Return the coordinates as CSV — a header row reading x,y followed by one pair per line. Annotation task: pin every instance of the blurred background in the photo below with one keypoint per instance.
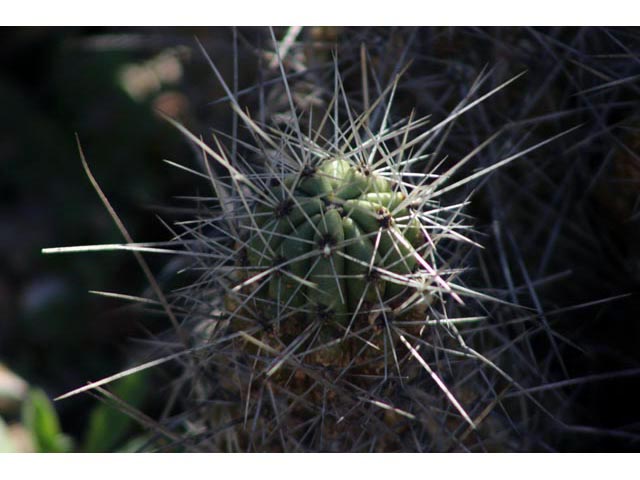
x,y
107,84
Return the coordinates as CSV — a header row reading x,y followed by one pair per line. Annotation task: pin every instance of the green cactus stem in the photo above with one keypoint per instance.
x,y
336,239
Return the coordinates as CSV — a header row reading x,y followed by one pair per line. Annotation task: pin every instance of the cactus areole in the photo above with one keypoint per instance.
x,y
335,240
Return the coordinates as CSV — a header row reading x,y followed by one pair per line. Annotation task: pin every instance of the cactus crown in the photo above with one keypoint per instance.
x,y
339,238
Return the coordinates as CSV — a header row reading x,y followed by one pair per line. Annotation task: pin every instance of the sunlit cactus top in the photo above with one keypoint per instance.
x,y
332,228
337,239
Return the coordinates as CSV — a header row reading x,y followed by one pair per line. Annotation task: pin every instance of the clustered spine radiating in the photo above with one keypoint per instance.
x,y
333,259
332,311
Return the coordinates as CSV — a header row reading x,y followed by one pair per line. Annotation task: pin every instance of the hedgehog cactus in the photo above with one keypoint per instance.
x,y
331,249
331,258
326,270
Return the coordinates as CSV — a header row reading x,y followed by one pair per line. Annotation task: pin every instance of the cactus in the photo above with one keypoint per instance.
x,y
331,283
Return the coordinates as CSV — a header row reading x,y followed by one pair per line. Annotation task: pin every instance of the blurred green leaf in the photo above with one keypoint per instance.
x,y
41,419
107,425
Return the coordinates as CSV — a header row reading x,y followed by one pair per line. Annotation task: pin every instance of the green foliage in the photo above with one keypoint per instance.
x,y
41,419
108,426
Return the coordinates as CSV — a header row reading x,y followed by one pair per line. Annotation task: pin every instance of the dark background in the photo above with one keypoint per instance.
x,y
55,83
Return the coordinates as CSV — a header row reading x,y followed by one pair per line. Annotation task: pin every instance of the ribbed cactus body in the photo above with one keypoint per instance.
x,y
337,239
